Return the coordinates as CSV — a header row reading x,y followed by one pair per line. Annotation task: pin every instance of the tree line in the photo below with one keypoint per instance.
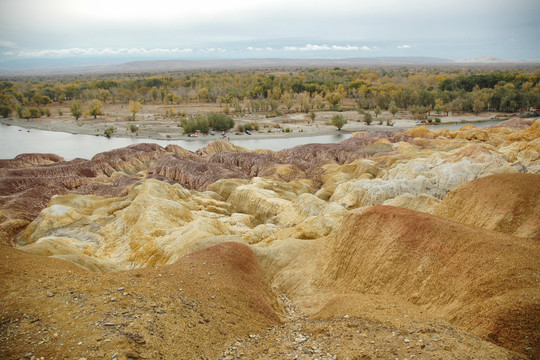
x,y
417,90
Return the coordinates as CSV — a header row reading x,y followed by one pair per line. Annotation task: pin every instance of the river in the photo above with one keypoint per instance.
x,y
15,140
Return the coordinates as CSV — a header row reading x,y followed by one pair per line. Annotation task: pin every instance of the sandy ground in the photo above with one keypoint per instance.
x,y
153,124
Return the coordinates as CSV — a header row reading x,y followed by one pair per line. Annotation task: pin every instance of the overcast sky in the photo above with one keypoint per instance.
x,y
269,28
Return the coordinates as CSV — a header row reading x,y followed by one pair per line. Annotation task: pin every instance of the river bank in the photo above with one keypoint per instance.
x,y
283,127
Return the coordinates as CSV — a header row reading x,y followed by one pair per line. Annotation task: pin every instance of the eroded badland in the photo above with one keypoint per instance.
x,y
399,244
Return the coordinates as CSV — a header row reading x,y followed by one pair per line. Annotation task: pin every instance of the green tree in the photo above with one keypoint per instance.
x,y
96,108
377,111
76,109
154,94
312,115
220,121
338,121
368,118
393,108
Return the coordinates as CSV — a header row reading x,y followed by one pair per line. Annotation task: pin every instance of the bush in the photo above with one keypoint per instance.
x,y
389,122
437,120
109,131
35,113
368,118
45,112
189,125
5,111
338,121
220,121
133,128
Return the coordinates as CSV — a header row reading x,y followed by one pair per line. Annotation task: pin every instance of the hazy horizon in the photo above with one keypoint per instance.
x,y
133,30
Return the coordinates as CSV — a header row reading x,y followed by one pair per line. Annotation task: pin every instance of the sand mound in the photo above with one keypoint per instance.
x,y
51,307
507,203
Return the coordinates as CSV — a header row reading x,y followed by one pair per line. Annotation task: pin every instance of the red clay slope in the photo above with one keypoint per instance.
x,y
480,280
191,309
507,203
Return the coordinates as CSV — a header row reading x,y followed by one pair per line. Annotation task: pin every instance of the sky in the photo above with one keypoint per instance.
x,y
214,29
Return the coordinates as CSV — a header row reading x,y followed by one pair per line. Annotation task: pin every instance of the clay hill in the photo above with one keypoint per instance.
x,y
399,244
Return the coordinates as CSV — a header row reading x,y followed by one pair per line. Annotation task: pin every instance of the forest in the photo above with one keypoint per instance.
x,y
420,91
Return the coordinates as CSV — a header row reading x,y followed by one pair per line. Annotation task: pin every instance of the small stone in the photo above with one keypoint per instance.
x,y
407,341
79,343
120,288
28,355
528,349
114,356
130,354
50,294
108,324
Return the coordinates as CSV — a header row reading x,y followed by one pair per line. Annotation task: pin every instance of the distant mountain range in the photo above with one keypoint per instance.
x,y
71,66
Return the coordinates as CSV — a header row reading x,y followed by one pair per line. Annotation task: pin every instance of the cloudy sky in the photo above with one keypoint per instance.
x,y
197,29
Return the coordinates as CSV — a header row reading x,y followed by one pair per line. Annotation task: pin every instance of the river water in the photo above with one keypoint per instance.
x,y
15,140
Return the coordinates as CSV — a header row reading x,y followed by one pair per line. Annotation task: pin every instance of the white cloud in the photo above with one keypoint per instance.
x,y
96,52
268,48
308,47
214,50
325,47
404,46
6,43
345,48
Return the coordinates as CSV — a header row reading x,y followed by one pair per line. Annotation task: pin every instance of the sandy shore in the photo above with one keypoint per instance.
x,y
155,127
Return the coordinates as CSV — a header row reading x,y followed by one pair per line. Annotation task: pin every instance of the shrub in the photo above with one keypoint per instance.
x,y
35,113
220,121
109,131
368,118
189,125
5,111
338,121
389,122
437,120
133,128
45,111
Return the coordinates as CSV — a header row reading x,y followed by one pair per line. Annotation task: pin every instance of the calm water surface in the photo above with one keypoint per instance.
x,y
15,140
